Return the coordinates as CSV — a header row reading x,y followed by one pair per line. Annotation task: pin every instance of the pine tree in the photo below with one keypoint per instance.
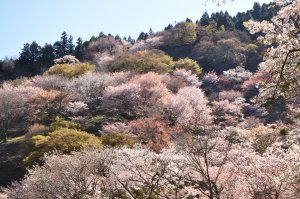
x,y
117,37
188,20
61,47
79,50
29,59
228,21
101,34
204,21
256,11
70,46
169,27
151,31
143,36
47,56
64,44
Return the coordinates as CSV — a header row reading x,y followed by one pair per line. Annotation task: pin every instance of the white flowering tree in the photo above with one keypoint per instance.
x,y
13,106
281,60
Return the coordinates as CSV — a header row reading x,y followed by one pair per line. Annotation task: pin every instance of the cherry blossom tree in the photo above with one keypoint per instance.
x,y
281,59
187,109
80,175
13,106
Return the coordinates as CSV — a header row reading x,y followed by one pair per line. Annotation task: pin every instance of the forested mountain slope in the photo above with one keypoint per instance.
x,y
206,109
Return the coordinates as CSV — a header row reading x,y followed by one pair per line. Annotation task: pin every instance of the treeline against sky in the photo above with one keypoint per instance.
x,y
35,59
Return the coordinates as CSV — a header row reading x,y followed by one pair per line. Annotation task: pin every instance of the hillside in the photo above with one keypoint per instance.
x,y
205,109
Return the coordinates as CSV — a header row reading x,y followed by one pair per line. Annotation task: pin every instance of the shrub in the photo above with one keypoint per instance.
x,y
144,61
115,139
71,70
61,123
283,132
63,140
188,64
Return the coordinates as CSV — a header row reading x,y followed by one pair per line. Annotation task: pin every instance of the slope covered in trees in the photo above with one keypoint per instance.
x,y
179,41
187,112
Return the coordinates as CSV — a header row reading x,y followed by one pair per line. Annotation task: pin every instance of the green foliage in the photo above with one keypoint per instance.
x,y
71,70
182,34
61,123
144,61
189,64
226,50
283,132
115,139
251,47
63,140
207,30
28,61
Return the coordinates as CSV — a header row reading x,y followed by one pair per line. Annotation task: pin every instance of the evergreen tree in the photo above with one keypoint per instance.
x,y
70,46
204,21
29,59
188,20
169,27
101,34
64,44
93,38
143,36
47,56
151,31
130,40
117,37
56,48
214,17
228,21
256,11
240,17
61,47
79,50
220,19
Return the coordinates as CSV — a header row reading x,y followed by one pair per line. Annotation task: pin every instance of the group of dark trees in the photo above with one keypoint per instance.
x,y
35,59
258,13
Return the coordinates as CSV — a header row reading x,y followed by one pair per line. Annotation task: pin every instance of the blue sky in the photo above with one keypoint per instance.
x,y
43,21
